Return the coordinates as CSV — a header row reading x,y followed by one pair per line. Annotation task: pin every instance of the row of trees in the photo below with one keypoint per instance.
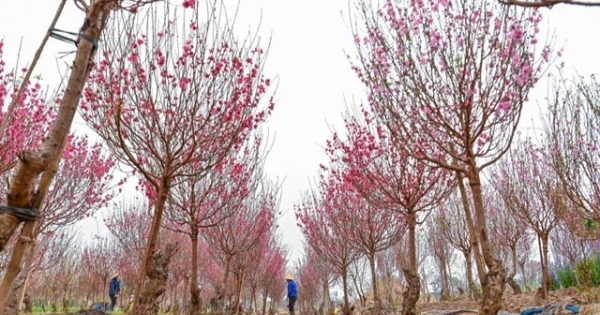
x,y
436,141
178,101
181,108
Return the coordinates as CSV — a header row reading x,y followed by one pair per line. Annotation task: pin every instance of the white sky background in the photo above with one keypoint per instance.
x,y
307,54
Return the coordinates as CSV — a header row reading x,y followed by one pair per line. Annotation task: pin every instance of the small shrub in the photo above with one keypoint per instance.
x,y
562,277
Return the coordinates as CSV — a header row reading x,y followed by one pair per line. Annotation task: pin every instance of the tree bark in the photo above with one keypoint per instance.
x,y
545,266
412,292
469,273
162,193
374,285
158,273
468,217
346,309
194,292
494,280
445,293
47,157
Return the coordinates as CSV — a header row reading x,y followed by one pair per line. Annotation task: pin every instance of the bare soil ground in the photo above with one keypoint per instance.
x,y
586,299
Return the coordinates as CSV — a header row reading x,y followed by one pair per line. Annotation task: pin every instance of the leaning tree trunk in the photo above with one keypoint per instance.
x,y
46,158
12,304
158,274
494,280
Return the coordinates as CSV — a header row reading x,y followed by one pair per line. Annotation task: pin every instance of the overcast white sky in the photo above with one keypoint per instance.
x,y
309,38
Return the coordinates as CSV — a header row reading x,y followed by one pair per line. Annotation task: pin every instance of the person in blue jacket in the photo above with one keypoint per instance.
x,y
114,287
292,292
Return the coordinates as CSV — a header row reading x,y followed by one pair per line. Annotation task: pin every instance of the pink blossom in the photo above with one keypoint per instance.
x,y
133,57
188,4
184,82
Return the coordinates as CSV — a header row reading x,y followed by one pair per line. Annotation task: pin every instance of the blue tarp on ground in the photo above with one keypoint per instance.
x,y
539,310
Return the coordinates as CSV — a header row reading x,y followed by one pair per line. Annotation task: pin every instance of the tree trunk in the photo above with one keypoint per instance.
x,y
12,304
194,292
510,278
375,284
27,271
162,193
326,296
346,309
545,265
31,164
147,303
468,218
413,289
469,273
264,304
411,294
494,280
445,293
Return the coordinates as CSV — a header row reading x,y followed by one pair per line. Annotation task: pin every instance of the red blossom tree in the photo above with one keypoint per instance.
x,y
128,223
29,121
515,238
373,228
234,238
572,126
266,267
25,190
441,251
526,183
449,80
173,104
453,226
400,189
325,234
83,184
197,204
100,260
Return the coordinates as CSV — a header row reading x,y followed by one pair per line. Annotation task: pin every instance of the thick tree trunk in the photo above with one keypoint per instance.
x,y
147,303
162,192
413,289
411,294
494,280
31,164
12,304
